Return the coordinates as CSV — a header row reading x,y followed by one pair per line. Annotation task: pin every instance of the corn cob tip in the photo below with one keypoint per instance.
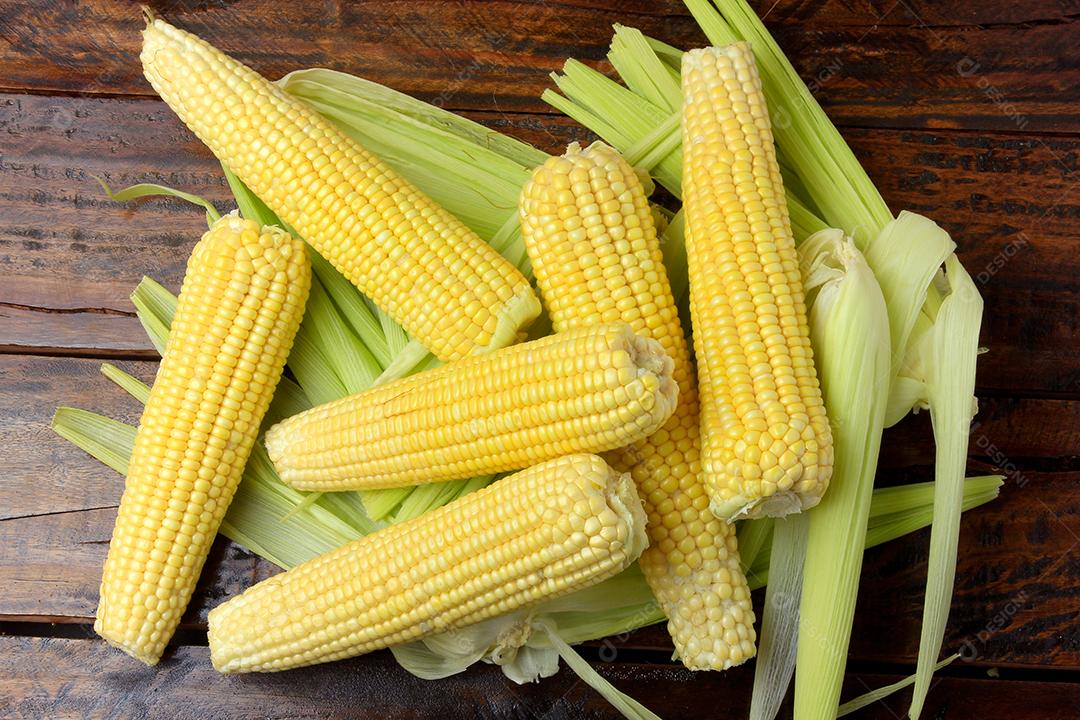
x,y
134,650
739,52
602,154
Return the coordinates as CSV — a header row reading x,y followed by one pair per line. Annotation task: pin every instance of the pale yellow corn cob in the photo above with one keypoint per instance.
x,y
766,443
541,533
240,305
587,225
589,391
448,288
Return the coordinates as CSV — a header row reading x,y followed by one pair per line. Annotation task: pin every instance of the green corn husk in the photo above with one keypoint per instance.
x,y
134,192
776,649
942,356
881,693
849,331
884,526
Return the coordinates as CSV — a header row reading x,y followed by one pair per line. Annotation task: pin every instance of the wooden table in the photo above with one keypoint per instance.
x,y
965,111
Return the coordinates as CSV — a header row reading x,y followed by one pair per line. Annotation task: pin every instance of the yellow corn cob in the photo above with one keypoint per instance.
x,y
766,443
448,288
240,305
589,231
589,391
541,533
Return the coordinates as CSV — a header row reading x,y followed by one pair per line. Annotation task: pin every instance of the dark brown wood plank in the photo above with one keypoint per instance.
x,y
43,473
1010,203
71,333
64,244
51,568
80,678
1008,78
1006,433
467,55
1017,582
998,66
827,14
955,698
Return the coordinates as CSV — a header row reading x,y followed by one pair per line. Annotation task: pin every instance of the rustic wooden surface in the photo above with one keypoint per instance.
x,y
965,111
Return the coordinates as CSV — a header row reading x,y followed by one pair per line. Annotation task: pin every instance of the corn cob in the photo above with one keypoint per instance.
x,y
766,442
448,288
589,391
587,225
541,533
240,305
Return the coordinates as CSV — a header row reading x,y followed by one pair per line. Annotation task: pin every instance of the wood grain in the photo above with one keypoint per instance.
x,y
62,678
490,56
919,75
43,473
874,64
1017,594
1008,434
57,504
827,14
1010,203
51,568
90,334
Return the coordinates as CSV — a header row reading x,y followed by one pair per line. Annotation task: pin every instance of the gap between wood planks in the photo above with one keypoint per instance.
x,y
67,311
87,353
